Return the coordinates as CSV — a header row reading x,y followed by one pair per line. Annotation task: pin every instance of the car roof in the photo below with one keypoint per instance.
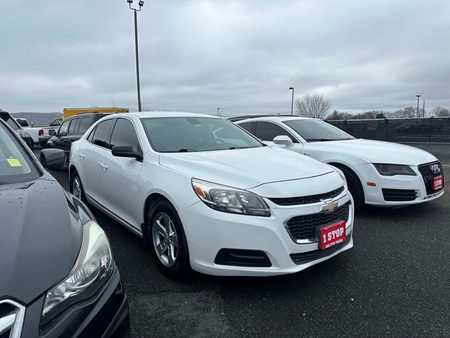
x,y
157,114
86,114
278,118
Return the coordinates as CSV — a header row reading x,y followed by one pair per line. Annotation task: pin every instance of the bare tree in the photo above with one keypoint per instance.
x,y
313,106
440,111
406,112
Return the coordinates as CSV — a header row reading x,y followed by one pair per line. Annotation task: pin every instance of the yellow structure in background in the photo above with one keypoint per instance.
x,y
68,112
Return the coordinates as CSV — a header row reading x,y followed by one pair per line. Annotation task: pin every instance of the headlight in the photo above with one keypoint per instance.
x,y
229,199
23,133
394,169
91,270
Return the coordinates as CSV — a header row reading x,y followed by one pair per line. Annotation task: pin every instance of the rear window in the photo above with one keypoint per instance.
x,y
15,164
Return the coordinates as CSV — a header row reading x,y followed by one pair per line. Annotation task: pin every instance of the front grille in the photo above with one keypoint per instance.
x,y
428,174
310,256
11,319
307,226
307,199
399,195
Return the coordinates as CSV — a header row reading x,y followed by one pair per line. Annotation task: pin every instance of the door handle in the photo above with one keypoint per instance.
x,y
104,166
82,156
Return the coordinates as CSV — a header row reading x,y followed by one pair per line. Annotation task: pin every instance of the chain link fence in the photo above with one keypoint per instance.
x,y
398,130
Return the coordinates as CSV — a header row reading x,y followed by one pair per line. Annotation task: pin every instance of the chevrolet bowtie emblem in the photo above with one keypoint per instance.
x,y
329,205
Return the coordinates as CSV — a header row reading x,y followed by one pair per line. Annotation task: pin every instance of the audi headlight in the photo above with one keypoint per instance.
x,y
394,169
229,199
93,267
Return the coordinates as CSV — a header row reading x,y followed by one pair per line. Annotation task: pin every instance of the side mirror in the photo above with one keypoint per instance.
x,y
282,140
52,132
52,159
127,151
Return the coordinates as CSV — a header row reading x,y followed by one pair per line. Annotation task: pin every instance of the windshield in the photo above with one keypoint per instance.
x,y
314,130
186,134
15,164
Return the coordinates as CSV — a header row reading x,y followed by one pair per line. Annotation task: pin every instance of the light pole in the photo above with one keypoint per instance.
x,y
135,10
418,97
423,108
217,112
292,100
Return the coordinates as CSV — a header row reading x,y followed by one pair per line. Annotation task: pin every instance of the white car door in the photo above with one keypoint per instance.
x,y
122,180
93,157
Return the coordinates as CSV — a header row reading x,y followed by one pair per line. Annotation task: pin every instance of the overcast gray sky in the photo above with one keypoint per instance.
x,y
242,56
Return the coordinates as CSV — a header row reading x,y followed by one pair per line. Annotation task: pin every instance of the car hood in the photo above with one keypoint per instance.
x,y
245,168
40,237
374,151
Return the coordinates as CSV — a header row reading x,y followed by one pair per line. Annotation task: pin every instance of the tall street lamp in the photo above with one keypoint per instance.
x,y
217,112
418,97
135,10
292,100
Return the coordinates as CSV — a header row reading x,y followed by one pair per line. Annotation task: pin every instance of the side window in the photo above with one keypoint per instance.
x,y
102,133
124,134
73,127
64,128
91,135
249,126
85,123
267,131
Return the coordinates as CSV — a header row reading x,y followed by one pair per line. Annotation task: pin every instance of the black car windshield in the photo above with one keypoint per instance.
x,y
15,164
186,134
313,130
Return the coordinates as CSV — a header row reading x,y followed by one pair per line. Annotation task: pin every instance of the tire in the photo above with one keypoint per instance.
x,y
354,186
167,240
76,188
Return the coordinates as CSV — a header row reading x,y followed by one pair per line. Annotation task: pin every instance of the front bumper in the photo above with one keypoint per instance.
x,y
208,231
100,316
374,194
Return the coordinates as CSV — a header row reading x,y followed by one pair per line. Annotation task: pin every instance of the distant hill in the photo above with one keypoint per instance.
x,y
38,119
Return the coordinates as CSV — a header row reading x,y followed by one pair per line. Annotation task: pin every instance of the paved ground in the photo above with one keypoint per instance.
x,y
395,282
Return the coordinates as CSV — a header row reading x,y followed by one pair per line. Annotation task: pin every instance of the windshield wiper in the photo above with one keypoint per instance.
x,y
184,150
234,147
320,139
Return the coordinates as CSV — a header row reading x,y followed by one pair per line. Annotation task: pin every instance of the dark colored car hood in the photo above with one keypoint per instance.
x,y
40,237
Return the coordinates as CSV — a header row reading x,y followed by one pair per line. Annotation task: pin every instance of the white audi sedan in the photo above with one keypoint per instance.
x,y
206,195
378,173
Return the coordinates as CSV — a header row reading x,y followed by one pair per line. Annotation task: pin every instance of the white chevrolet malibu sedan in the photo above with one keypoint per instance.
x,y
378,173
206,195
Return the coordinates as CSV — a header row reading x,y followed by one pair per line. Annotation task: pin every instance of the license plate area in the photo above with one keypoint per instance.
x,y
438,182
332,234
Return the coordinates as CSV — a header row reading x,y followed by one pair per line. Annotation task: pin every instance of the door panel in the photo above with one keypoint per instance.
x,y
123,175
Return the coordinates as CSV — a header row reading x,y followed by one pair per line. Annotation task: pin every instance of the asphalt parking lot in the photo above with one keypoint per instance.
x,y
395,282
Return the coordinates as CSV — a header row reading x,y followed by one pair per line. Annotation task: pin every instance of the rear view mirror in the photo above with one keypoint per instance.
x,y
52,159
282,140
127,151
52,132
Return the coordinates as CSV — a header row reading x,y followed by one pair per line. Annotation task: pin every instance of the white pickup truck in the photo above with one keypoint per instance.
x,y
40,135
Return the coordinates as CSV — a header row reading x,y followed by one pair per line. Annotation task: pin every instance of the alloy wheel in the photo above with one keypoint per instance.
x,y
165,239
76,188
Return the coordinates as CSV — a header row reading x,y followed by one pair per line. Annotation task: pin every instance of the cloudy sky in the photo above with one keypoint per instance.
x,y
242,56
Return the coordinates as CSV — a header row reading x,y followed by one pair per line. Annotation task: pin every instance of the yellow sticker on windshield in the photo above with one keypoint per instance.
x,y
14,162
